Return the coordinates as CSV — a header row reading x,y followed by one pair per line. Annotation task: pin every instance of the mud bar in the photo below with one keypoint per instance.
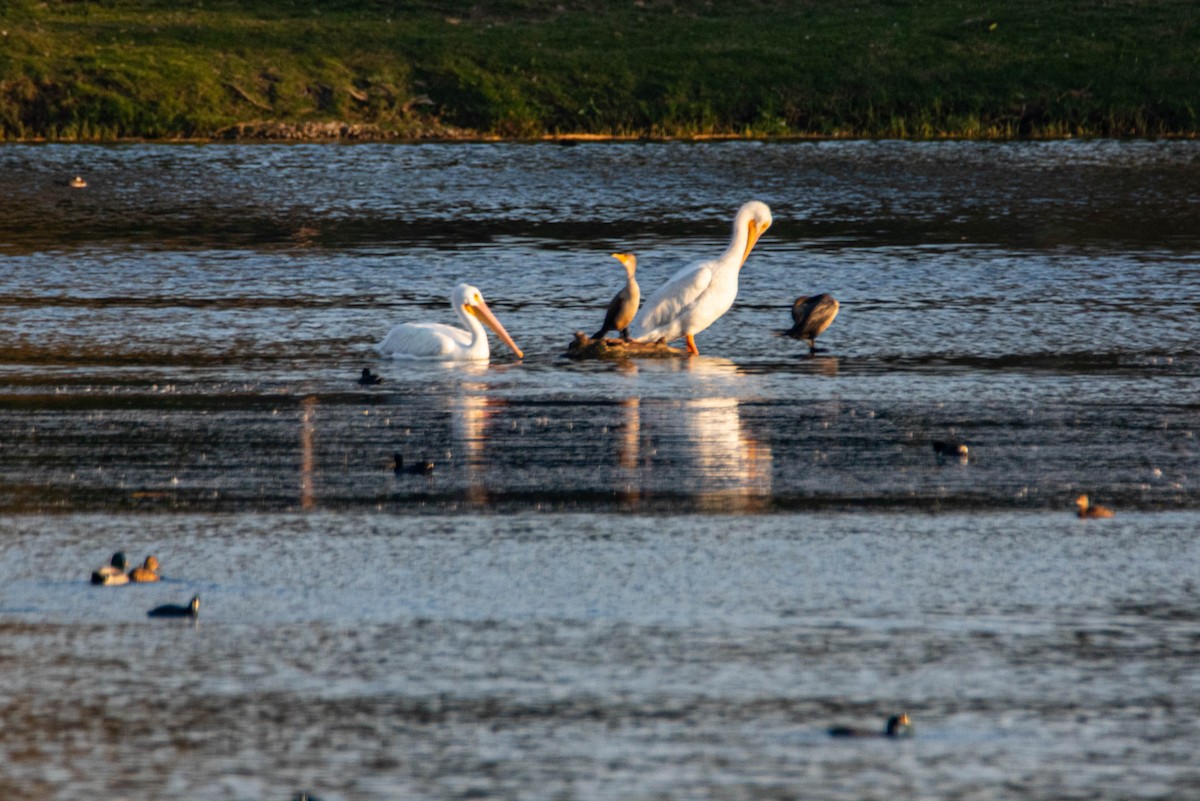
x,y
584,347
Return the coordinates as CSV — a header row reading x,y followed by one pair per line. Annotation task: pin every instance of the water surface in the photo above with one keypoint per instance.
x,y
632,580
187,329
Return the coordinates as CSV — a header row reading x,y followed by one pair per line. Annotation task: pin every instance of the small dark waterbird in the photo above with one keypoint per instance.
x,y
369,379
944,448
421,468
624,306
175,610
113,573
897,726
811,315
1088,510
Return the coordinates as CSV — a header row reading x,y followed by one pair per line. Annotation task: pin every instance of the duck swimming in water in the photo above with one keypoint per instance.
x,y
112,574
77,182
1089,510
624,306
174,610
147,572
810,317
421,468
897,726
943,448
369,379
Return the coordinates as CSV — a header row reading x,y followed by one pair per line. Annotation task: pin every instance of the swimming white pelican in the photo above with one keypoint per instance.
x,y
700,293
445,342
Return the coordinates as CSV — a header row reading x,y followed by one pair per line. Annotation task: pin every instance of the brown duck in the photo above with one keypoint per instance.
x,y
147,572
1089,510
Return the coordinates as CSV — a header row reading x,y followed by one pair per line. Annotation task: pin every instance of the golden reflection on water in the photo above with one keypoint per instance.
x,y
630,454
825,365
470,415
308,428
732,469
631,433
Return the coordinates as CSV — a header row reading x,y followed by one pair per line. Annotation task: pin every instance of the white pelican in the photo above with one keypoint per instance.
x,y
445,342
700,293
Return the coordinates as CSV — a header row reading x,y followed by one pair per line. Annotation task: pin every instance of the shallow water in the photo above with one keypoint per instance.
x,y
601,656
1035,300
642,580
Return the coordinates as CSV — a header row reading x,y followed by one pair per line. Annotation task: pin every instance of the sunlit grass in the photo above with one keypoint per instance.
x,y
1025,68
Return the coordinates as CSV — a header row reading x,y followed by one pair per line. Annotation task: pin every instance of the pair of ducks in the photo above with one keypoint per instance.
x,y
113,574
810,315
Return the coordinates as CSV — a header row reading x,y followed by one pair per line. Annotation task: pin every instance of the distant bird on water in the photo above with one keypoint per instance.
x,y
421,468
624,306
897,726
77,182
811,316
113,573
695,297
147,572
943,448
1089,510
369,379
174,610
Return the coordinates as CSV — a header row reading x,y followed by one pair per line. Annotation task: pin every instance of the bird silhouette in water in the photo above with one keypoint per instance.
x,y
174,610
421,468
954,450
369,379
624,305
897,726
810,317
1089,510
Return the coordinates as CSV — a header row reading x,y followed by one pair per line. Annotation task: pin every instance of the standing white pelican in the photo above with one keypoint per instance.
x,y
445,342
700,293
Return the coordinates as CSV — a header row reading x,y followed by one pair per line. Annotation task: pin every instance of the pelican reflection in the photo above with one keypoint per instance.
x,y
471,414
730,468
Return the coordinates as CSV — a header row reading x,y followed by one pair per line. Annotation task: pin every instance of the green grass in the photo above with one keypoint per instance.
x,y
78,70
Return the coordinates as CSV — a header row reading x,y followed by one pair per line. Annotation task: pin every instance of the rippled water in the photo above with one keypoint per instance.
x,y
642,580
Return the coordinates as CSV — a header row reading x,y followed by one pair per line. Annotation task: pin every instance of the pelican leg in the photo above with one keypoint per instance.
x,y
691,345
625,334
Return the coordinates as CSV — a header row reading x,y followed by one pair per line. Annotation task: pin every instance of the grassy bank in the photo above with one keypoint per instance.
x,y
525,68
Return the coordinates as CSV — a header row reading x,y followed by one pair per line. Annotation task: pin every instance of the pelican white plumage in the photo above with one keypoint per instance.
x,y
445,342
700,293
